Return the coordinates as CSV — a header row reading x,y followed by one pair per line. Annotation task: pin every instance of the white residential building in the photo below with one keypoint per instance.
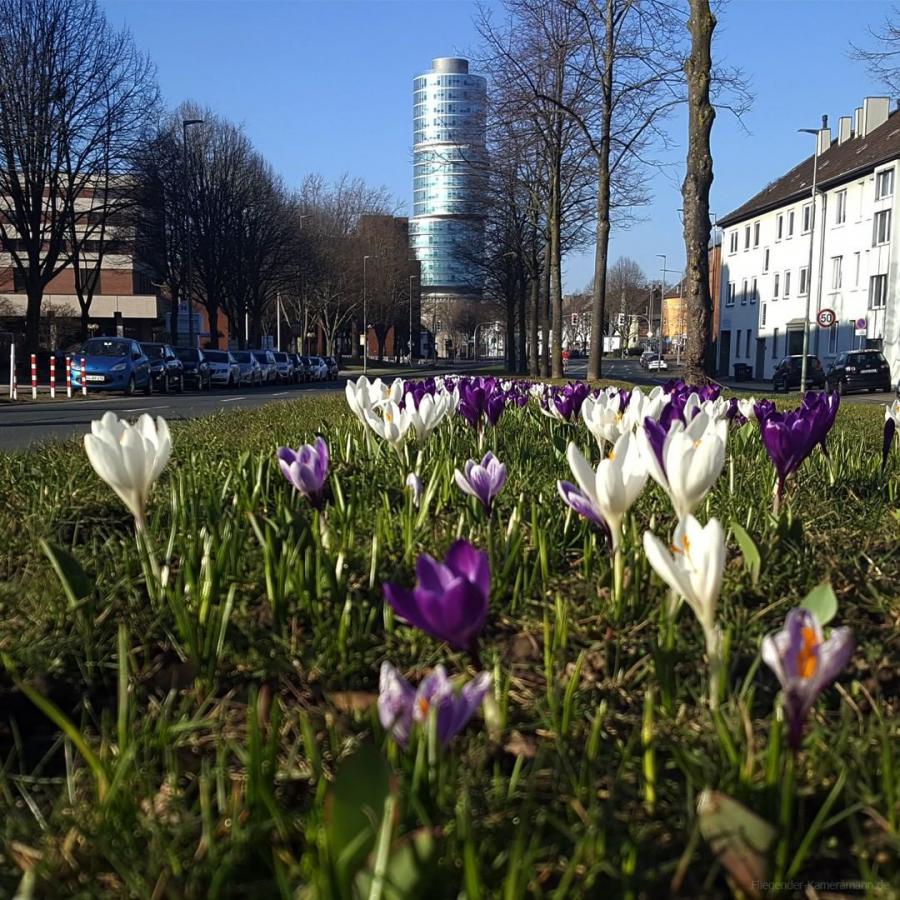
x,y
766,274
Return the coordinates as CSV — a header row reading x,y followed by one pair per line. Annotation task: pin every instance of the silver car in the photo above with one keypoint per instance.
x,y
251,370
267,364
223,368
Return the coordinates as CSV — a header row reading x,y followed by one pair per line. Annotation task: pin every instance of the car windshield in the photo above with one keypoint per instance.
x,y
186,354
866,358
154,351
219,356
260,355
98,347
280,357
242,356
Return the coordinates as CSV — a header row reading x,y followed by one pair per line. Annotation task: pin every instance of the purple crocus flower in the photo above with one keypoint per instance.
x,y
805,664
306,469
482,480
400,705
822,409
450,599
575,498
788,438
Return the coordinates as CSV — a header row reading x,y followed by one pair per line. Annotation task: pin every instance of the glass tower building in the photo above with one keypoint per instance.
x,y
447,227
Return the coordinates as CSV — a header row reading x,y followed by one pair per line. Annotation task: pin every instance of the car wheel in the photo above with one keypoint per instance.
x,y
129,388
181,384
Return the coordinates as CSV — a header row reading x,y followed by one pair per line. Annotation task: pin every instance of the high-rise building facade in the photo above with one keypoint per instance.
x,y
447,227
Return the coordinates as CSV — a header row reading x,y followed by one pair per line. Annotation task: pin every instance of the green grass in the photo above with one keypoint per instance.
x,y
181,741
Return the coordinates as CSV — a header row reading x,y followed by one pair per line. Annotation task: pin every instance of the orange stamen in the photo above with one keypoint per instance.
x,y
807,658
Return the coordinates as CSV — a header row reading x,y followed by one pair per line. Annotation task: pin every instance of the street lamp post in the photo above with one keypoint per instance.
x,y
185,124
809,268
365,320
662,297
411,279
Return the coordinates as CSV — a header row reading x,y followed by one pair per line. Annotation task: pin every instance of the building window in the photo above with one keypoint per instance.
x,y
832,339
763,314
807,217
790,224
881,231
754,293
737,344
884,184
779,228
856,269
877,291
840,210
733,242
744,293
774,343
747,237
787,284
836,266
730,300
747,346
777,286
755,234
804,280
766,261
18,280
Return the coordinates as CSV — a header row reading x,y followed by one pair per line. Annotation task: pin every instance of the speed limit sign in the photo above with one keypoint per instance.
x,y
826,318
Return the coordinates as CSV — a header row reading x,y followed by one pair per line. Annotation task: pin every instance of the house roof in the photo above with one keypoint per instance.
x,y
840,162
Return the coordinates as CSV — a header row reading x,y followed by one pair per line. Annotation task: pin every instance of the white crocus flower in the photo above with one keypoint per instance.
x,y
389,422
747,408
603,419
892,412
616,483
689,461
694,570
432,410
387,393
129,458
361,395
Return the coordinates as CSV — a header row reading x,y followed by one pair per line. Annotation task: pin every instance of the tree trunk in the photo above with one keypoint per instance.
x,y
533,352
601,257
695,191
555,287
35,294
212,310
521,361
545,313
85,321
510,342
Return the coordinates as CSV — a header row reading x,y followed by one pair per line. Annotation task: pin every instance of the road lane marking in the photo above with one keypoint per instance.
x,y
231,399
145,408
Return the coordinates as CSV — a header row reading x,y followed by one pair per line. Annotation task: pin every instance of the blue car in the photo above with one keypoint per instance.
x,y
112,364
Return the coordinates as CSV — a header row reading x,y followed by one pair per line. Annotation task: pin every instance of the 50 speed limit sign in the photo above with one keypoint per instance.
x,y
825,318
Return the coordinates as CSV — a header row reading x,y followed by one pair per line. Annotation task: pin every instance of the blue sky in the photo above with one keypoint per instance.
x,y
326,87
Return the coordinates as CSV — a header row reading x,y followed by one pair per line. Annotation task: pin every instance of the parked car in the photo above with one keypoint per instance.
x,y
267,363
197,373
657,364
284,368
333,368
166,368
317,368
112,364
646,356
301,371
224,370
859,370
250,371
787,373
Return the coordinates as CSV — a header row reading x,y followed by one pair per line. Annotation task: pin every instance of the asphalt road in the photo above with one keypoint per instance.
x,y
25,424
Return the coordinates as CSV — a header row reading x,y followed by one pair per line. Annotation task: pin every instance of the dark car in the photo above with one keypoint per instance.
x,y
112,364
859,370
165,367
301,373
787,373
333,368
197,371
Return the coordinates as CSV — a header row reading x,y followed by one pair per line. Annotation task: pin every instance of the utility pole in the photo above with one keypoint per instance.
x,y
809,268
278,320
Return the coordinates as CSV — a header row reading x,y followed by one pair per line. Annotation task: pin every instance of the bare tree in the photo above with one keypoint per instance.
x,y
695,190
882,59
74,98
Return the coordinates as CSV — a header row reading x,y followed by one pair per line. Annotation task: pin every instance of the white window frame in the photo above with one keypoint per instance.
x,y
857,263
840,208
755,235
776,286
881,227
754,291
880,301
733,241
744,293
766,261
837,272
884,183
807,216
787,284
746,237
804,281
779,227
790,228
729,298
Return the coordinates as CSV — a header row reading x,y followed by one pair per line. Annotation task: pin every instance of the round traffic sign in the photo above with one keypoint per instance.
x,y
861,323
826,318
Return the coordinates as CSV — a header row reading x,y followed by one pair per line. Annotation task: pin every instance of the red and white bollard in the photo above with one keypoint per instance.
x,y
34,376
69,377
83,377
52,376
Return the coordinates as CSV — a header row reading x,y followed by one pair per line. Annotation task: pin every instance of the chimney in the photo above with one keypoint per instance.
x,y
875,113
823,139
844,129
858,121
